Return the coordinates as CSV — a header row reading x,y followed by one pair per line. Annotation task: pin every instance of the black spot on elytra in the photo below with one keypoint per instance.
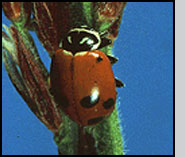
x,y
87,103
95,120
109,103
99,59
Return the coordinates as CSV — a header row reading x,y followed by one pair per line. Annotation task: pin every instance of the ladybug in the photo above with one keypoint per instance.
x,y
82,80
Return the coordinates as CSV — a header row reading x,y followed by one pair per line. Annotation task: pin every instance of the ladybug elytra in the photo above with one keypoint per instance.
x,y
82,80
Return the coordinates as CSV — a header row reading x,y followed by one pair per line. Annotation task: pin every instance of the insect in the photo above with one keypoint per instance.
x,y
82,80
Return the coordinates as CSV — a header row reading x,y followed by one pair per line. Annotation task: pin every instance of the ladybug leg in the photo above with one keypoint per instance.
x,y
119,84
105,42
112,59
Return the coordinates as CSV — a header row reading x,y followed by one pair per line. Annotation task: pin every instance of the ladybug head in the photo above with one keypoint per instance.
x,y
84,39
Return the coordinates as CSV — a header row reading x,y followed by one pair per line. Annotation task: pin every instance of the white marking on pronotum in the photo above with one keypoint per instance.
x,y
96,34
89,41
60,44
69,39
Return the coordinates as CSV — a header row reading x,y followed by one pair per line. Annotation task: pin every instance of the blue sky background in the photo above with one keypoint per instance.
x,y
145,51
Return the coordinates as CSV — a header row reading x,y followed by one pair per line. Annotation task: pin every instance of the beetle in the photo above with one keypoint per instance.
x,y
82,79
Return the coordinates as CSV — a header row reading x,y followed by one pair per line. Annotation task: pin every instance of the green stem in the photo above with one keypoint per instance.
x,y
103,139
